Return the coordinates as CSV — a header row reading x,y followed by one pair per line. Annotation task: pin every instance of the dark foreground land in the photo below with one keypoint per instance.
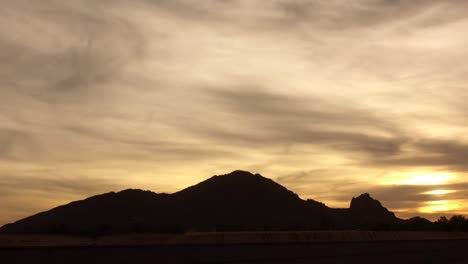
x,y
433,251
239,247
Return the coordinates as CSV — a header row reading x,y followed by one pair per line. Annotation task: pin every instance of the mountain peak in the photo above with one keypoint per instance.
x,y
239,185
241,173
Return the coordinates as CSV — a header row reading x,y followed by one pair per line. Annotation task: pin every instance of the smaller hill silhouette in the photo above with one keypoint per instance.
x,y
367,211
238,201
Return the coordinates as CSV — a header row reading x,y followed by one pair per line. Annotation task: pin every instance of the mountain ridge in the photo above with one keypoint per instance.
x,y
238,201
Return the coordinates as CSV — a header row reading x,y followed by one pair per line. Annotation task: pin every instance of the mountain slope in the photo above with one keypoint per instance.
x,y
122,212
233,202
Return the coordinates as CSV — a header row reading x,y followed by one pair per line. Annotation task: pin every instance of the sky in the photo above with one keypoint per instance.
x,y
329,98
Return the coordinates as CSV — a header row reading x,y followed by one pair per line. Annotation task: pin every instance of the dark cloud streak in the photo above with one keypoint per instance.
x,y
279,118
450,154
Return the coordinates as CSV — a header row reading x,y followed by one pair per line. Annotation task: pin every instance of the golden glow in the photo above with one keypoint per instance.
x,y
431,178
439,206
439,192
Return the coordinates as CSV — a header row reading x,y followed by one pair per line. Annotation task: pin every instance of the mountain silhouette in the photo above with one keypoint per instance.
x,y
238,201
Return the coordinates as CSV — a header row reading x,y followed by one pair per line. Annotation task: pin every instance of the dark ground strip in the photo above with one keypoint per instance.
x,y
453,251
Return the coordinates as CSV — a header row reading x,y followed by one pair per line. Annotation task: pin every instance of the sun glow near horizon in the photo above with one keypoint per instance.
x,y
420,178
439,192
440,202
439,206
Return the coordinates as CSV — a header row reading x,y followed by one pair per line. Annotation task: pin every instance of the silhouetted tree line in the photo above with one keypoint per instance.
x,y
456,223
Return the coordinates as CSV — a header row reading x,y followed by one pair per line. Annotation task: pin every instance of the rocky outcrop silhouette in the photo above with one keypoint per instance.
x,y
367,211
238,201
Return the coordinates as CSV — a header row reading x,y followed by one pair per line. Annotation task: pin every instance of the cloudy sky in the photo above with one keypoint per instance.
x,y
329,98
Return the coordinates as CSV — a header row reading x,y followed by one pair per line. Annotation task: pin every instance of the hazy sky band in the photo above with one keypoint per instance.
x,y
329,98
